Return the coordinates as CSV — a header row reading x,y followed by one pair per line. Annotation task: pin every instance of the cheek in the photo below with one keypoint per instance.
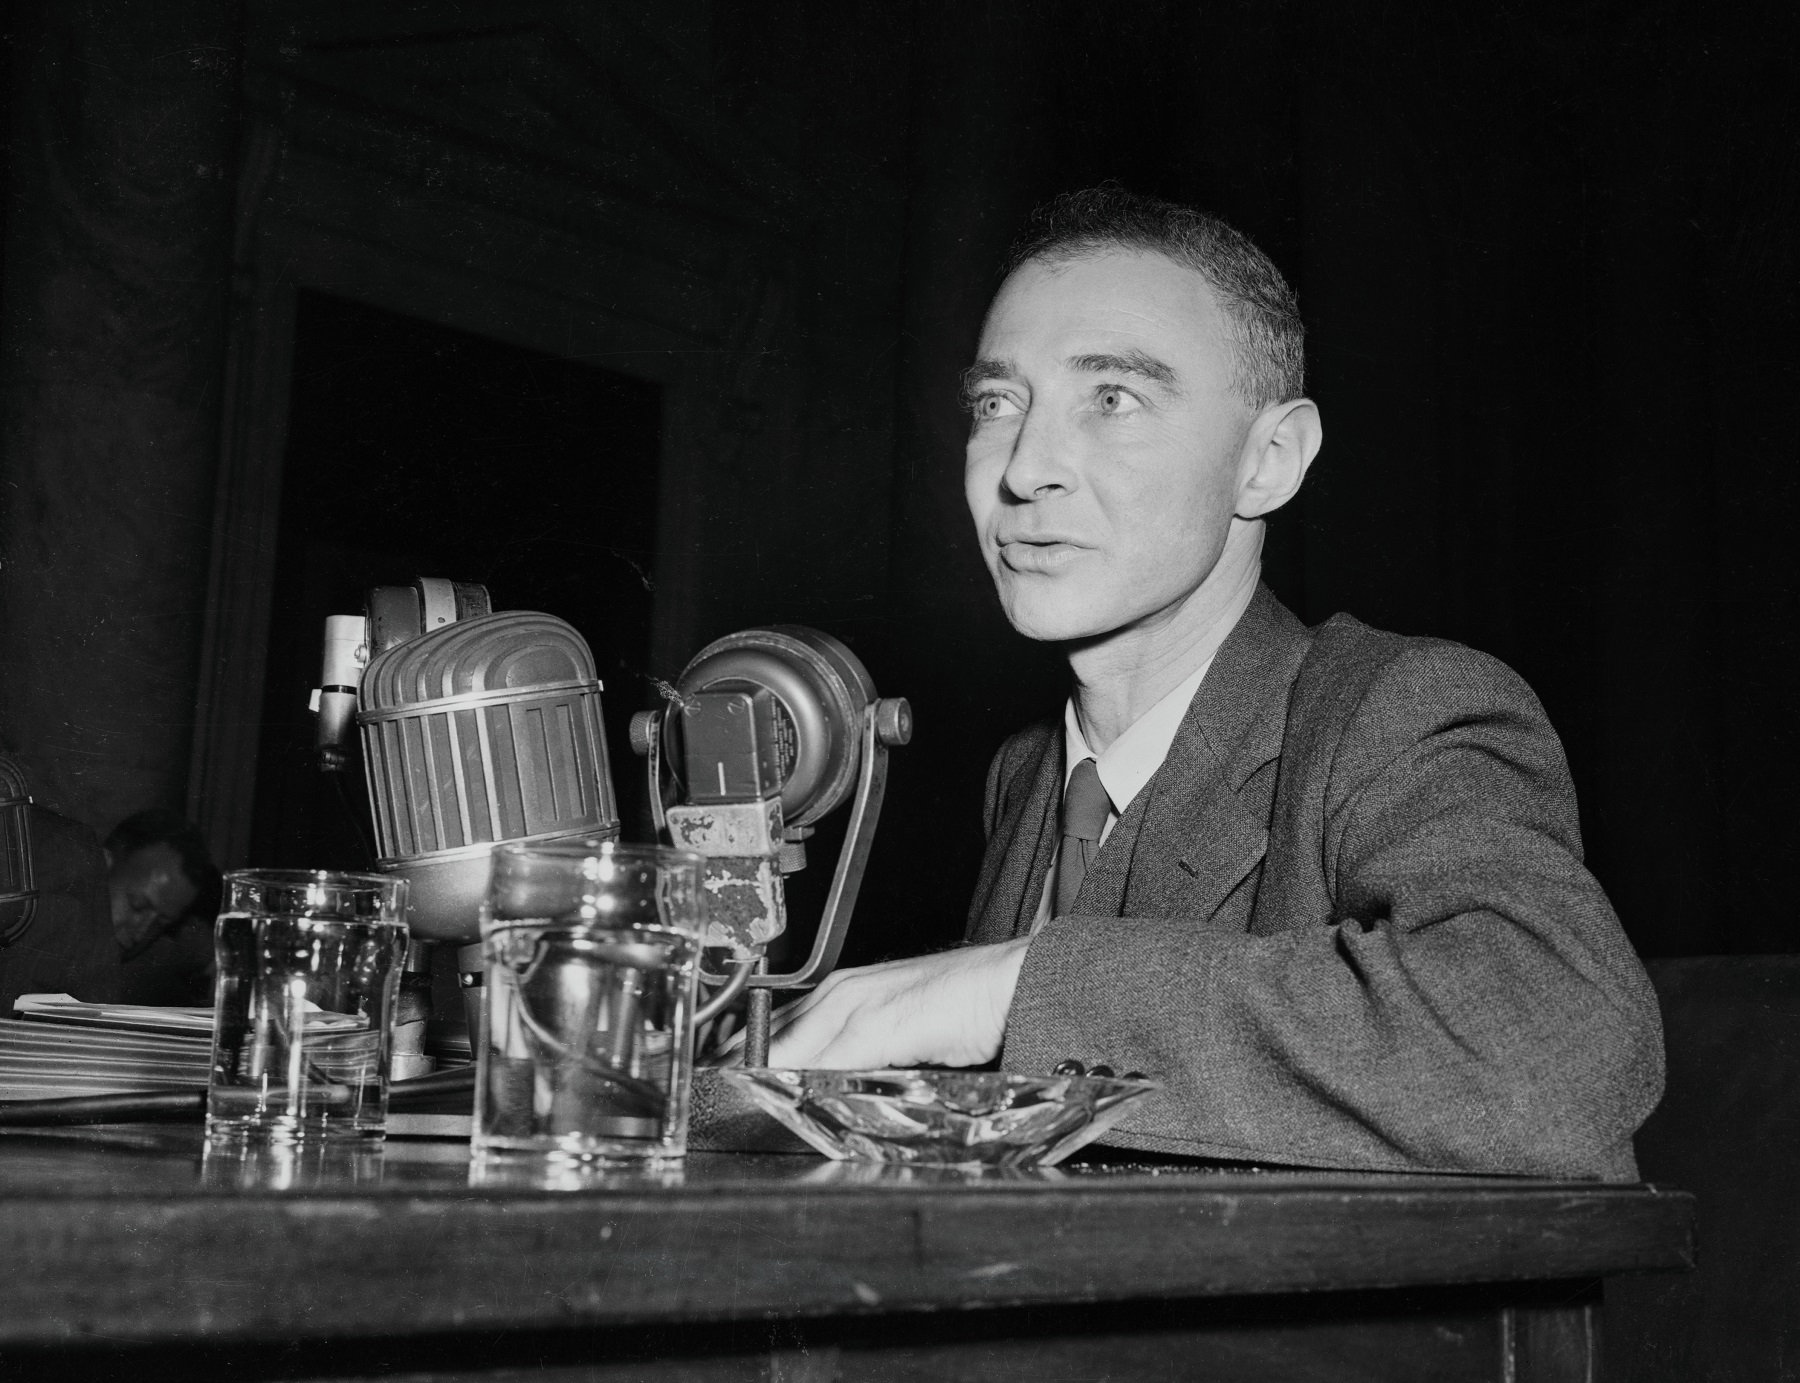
x,y
1164,522
981,484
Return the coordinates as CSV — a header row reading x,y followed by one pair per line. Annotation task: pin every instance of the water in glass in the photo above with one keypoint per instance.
x,y
587,1038
302,1011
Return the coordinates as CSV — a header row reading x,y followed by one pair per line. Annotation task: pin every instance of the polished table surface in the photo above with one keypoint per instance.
x,y
141,1235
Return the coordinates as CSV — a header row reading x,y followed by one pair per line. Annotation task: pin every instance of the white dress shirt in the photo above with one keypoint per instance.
x,y
1128,763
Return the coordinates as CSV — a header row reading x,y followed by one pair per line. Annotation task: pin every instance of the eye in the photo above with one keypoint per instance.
x,y
987,407
1110,398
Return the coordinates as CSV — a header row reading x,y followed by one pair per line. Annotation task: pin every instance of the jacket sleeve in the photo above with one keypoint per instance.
x,y
1470,1003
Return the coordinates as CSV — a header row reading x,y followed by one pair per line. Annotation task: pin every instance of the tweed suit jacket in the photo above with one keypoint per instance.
x,y
1346,922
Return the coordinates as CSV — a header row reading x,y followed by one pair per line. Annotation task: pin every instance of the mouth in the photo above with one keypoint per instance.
x,y
1039,555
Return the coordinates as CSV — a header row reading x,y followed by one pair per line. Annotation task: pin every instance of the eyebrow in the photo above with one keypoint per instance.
x,y
984,369
1129,363
1134,362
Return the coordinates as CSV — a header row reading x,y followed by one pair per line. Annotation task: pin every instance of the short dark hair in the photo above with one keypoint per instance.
x,y
1264,314
160,826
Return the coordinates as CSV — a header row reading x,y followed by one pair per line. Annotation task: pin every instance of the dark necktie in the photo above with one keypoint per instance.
x,y
1085,807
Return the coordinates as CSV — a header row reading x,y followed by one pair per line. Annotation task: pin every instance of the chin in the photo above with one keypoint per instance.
x,y
1051,616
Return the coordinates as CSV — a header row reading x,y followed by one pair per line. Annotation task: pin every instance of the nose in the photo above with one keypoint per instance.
x,y
141,925
1038,467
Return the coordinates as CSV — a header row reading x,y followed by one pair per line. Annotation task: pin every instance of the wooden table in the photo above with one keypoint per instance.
x,y
130,1255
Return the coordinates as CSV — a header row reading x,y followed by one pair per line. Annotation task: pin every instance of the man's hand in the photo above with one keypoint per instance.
x,y
948,1009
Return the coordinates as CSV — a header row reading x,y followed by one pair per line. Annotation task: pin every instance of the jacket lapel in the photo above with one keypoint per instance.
x,y
1196,839
1019,853
1187,840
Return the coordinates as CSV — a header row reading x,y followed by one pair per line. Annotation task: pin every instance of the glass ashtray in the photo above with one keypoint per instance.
x,y
942,1118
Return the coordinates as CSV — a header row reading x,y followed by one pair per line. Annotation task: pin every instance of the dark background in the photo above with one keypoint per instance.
x,y
1546,254
417,450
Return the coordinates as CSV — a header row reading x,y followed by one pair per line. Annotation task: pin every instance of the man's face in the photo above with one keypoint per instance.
x,y
1102,464
150,894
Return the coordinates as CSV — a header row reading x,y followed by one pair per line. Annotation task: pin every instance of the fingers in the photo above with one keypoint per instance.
x,y
809,1033
788,1013
730,1052
848,1026
858,1024
851,1047
930,1008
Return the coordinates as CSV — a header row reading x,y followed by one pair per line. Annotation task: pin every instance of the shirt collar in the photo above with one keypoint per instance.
x,y
1132,759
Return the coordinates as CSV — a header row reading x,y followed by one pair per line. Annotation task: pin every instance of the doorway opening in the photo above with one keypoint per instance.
x,y
419,450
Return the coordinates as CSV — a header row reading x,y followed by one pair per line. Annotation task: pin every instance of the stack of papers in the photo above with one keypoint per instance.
x,y
59,1046
64,1008
90,1049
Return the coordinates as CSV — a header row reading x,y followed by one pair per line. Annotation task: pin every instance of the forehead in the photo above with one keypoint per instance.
x,y
1107,301
152,863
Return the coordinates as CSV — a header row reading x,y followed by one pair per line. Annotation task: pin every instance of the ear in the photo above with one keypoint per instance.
x,y
1280,444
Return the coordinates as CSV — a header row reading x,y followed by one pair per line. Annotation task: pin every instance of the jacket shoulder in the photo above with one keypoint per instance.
x,y
1016,755
1373,673
1022,746
1366,697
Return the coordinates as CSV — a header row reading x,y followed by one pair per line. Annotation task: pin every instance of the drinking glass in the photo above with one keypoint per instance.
x,y
309,966
587,1042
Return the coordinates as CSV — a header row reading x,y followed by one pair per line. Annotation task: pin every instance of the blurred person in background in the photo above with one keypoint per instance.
x,y
164,892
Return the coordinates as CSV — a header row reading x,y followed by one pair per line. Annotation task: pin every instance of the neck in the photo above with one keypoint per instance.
x,y
1123,674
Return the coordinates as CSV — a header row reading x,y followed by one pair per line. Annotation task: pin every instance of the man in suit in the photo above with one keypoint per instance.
x,y
1326,883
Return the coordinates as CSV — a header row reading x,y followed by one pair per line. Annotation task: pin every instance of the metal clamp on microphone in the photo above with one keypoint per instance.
x,y
18,867
766,732
52,871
